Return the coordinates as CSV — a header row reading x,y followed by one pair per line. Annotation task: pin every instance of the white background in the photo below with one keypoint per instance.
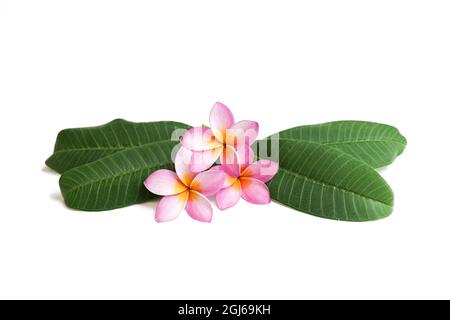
x,y
282,63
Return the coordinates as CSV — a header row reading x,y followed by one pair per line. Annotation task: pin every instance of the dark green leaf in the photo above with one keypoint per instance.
x,y
75,147
329,183
376,144
116,180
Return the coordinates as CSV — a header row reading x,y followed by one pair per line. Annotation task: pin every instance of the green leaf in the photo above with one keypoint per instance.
x,y
116,180
376,144
326,182
75,147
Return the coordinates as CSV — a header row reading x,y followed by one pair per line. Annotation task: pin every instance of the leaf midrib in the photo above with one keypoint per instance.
x,y
80,186
344,141
98,148
286,171
118,148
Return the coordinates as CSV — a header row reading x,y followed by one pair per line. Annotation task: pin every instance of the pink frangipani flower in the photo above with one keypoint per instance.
x,y
184,190
223,139
247,181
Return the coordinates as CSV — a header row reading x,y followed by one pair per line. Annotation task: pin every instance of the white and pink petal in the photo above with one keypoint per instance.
x,y
170,207
263,170
220,119
199,139
229,159
254,191
203,160
198,207
208,182
183,166
164,183
235,161
228,197
245,132
246,156
229,180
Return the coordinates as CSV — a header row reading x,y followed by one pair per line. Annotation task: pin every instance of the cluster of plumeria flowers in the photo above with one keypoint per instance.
x,y
196,176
